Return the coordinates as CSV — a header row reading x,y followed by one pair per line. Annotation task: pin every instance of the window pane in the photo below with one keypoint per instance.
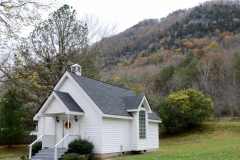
x,y
142,125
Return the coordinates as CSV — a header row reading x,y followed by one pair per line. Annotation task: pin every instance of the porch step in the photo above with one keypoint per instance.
x,y
48,154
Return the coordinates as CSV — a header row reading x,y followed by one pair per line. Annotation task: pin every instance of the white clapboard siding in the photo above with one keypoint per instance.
x,y
40,127
76,126
116,133
49,141
142,144
134,132
54,107
49,128
153,138
59,132
90,122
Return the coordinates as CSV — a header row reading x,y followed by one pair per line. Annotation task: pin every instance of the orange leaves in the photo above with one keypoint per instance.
x,y
224,34
212,58
140,61
119,64
189,45
217,31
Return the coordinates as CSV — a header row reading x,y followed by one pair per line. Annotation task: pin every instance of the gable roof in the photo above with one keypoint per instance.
x,y
106,96
68,101
132,102
110,99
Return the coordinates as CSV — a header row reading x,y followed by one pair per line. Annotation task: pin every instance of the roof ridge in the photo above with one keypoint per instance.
x,y
103,82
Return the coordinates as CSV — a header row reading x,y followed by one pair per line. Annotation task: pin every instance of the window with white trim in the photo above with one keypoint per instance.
x,y
142,125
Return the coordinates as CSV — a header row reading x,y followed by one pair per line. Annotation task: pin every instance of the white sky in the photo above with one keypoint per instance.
x,y
126,13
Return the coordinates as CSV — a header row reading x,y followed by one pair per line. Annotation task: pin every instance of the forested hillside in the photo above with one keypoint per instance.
x,y
196,48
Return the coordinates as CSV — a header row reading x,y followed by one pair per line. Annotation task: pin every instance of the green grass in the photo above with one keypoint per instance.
x,y
15,152
212,141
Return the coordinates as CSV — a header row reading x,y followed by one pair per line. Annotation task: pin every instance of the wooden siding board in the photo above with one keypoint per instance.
x,y
49,126
134,132
54,107
49,141
153,137
116,133
90,123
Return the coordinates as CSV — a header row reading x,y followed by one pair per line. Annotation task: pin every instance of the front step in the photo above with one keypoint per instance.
x,y
48,154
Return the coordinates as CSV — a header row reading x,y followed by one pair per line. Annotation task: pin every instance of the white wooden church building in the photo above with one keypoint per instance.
x,y
114,119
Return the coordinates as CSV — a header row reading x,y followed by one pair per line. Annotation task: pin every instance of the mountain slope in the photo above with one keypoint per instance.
x,y
172,32
198,48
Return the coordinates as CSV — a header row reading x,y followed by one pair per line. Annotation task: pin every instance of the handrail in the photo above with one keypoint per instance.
x,y
55,147
30,146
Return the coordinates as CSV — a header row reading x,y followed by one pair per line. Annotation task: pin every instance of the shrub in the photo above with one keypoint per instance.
x,y
80,146
184,108
71,156
36,147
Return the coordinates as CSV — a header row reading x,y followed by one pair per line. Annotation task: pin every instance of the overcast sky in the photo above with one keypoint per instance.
x,y
126,13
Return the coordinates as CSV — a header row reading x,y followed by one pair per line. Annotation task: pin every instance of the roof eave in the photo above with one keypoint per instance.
x,y
132,110
153,120
117,116
76,113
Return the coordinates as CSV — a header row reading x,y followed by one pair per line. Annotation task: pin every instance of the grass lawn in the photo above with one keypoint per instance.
x,y
13,153
214,141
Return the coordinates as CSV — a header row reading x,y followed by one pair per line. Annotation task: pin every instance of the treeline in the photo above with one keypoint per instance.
x,y
210,65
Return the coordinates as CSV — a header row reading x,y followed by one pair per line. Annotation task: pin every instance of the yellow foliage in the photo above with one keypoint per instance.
x,y
179,50
127,62
155,57
139,89
195,41
184,41
140,61
213,45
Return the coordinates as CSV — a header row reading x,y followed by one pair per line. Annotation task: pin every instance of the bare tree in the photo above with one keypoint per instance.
x,y
18,14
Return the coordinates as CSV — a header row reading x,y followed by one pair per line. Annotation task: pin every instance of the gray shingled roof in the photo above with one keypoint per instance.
x,y
132,102
69,101
109,98
153,116
105,96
